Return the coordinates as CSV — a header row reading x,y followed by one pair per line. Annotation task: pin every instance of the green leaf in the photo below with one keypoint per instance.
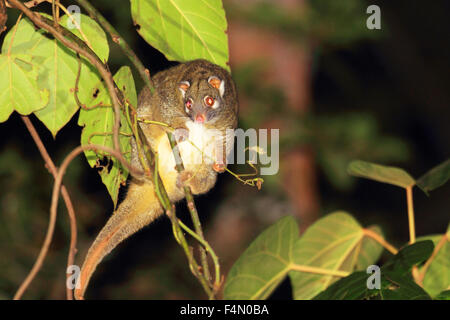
x,y
444,295
435,178
397,287
437,275
264,264
58,67
18,86
409,256
393,287
93,35
395,279
184,30
372,171
98,122
352,287
125,82
335,242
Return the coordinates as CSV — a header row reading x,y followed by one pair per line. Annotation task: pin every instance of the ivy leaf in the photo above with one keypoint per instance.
x,y
184,30
372,171
336,242
98,123
18,86
264,264
435,178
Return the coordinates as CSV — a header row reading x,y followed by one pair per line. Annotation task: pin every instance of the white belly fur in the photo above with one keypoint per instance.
x,y
198,149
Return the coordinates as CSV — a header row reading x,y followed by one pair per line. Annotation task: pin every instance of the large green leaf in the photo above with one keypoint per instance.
x,y
437,275
184,30
332,246
91,33
98,123
444,295
409,256
58,67
336,242
352,287
264,264
18,86
396,287
435,178
372,171
396,282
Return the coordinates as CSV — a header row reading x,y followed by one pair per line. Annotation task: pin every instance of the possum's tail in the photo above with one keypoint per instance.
x,y
138,209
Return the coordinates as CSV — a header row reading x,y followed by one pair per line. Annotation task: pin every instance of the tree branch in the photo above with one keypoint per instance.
x,y
71,212
3,16
53,209
195,219
120,41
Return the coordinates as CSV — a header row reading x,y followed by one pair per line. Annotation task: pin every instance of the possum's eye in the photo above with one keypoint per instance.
x,y
188,104
209,101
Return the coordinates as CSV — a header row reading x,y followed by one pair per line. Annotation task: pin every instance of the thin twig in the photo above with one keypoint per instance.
x,y
55,12
54,205
193,211
179,236
438,247
193,265
380,240
29,4
206,245
3,16
412,228
70,210
117,38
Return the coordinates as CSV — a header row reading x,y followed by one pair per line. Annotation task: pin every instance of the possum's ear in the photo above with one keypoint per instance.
x,y
215,82
183,86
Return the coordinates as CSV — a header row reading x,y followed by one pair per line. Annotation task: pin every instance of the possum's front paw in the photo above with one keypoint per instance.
x,y
183,179
219,167
199,182
181,134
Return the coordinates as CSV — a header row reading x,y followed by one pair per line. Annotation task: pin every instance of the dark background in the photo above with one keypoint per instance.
x,y
336,90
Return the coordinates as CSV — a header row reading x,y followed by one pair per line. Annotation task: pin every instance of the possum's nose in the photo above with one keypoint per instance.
x,y
200,118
